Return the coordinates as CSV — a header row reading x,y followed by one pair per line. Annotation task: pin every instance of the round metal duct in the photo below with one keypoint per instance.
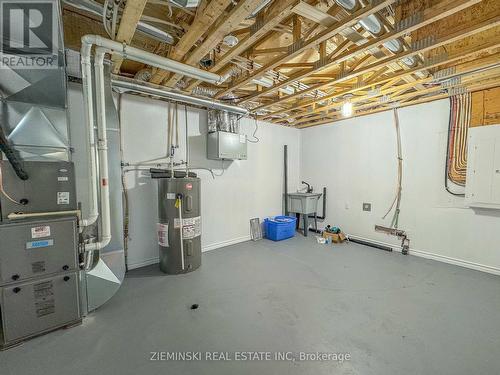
x,y
348,4
393,45
371,24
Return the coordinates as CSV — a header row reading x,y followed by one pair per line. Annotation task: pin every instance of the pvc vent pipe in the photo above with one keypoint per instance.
x,y
138,55
163,92
103,46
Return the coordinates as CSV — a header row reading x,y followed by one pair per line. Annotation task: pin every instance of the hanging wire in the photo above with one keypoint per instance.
x,y
222,168
2,190
255,138
397,198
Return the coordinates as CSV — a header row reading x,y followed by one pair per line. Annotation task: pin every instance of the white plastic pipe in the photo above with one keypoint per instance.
x,y
104,45
136,54
125,84
102,148
88,102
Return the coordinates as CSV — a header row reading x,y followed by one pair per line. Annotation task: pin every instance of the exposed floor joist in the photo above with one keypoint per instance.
x,y
295,60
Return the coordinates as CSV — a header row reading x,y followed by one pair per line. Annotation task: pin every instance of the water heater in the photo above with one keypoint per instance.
x,y
179,222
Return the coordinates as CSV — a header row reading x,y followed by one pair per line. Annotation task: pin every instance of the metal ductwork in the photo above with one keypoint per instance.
x,y
186,3
373,25
33,111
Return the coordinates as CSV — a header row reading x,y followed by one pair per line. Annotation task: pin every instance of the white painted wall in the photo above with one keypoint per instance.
x,y
249,188
356,160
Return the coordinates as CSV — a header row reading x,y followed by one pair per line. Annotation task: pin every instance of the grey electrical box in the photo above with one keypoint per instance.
x,y
39,285
50,187
226,146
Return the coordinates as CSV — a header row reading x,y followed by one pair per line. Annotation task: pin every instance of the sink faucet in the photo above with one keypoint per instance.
x,y
309,187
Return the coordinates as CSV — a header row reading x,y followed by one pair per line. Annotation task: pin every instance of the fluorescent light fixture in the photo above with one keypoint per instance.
x,y
347,108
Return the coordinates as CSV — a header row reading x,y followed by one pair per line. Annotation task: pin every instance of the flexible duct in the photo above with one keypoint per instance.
x,y
9,152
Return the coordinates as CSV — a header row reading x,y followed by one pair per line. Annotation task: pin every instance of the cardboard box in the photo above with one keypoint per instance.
x,y
335,237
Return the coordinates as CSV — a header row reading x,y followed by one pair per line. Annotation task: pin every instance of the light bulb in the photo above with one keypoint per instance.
x,y
347,109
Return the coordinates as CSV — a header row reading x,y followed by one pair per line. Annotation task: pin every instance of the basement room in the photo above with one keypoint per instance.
x,y
212,187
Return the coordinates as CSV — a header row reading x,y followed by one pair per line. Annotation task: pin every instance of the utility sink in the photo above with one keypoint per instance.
x,y
303,203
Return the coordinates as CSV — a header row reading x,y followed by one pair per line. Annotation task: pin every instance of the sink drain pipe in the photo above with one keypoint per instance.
x,y
323,216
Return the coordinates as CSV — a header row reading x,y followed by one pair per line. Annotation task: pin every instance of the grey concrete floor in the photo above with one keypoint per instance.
x,y
393,314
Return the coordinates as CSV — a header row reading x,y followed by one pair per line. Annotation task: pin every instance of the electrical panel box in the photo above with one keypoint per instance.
x,y
50,187
226,146
482,189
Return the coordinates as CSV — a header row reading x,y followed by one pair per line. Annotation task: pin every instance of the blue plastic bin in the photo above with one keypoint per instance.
x,y
280,227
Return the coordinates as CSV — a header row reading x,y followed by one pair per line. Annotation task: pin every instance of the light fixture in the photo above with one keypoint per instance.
x,y
347,106
230,40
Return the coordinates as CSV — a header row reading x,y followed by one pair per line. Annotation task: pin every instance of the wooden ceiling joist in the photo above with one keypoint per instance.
x,y
206,14
313,53
301,46
128,23
430,15
398,94
389,80
276,13
217,32
439,42
474,86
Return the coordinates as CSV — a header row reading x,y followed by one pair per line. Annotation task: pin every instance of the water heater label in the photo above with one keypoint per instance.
x,y
63,197
40,232
162,230
191,227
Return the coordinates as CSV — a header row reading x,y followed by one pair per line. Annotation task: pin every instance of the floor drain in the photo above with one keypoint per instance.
x,y
194,306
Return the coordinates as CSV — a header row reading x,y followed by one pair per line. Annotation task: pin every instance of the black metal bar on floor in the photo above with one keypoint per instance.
x,y
371,244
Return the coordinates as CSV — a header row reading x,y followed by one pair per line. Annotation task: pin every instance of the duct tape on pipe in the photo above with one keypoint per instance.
x,y
191,227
